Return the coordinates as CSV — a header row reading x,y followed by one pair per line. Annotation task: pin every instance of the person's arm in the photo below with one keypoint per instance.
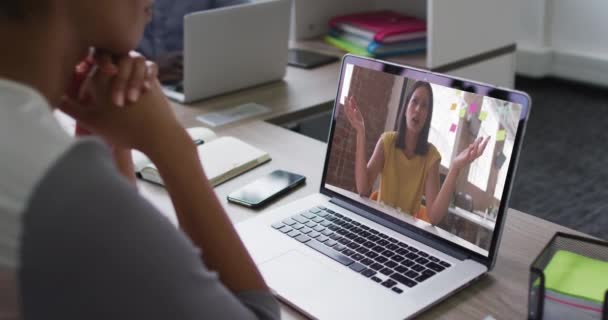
x,y
149,125
365,174
201,215
93,248
365,171
124,163
131,76
438,198
9,306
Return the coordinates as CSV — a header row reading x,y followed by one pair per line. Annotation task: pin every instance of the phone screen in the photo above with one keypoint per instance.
x,y
266,188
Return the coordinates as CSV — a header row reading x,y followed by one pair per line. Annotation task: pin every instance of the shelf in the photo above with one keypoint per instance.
x,y
418,60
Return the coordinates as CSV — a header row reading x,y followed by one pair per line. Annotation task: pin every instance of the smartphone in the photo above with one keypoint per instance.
x,y
308,59
262,191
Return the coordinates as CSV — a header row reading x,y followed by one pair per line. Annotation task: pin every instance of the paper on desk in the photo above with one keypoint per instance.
x,y
233,114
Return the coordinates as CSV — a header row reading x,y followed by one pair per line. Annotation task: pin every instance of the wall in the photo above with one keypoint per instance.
x,y
563,38
372,90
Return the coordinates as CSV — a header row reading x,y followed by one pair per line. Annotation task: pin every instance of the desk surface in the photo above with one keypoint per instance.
x,y
502,293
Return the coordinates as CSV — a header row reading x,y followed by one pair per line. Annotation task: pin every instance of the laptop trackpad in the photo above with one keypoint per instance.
x,y
312,283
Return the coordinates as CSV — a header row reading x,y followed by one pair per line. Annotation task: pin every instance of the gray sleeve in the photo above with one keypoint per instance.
x,y
92,248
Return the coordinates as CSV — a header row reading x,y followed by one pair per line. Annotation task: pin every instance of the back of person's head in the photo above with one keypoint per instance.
x,y
11,9
115,26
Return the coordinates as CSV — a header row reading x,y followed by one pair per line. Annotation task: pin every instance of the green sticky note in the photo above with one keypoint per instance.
x,y
501,135
463,112
577,276
483,115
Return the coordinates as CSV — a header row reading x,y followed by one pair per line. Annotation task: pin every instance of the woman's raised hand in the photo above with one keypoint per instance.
x,y
354,115
472,152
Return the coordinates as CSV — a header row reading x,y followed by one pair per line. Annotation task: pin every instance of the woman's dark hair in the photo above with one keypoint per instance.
x,y
422,145
12,9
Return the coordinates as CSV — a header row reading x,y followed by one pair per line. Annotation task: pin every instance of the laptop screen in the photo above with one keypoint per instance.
x,y
430,151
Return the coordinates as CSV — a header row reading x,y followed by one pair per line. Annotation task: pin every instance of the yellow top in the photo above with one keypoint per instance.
x,y
402,181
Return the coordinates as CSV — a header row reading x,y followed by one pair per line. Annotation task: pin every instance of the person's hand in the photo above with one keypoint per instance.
x,y
132,75
472,152
141,125
354,115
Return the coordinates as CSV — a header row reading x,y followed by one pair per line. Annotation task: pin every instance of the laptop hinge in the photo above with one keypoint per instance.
x,y
402,230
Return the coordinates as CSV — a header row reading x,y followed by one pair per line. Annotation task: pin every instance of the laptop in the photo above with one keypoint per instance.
x,y
337,254
232,48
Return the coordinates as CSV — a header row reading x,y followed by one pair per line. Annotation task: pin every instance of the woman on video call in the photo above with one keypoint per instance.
x,y
408,162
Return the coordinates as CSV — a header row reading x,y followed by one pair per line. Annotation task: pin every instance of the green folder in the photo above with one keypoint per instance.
x,y
577,276
347,46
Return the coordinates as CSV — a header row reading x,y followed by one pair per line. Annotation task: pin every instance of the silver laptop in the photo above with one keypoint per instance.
x,y
232,48
340,255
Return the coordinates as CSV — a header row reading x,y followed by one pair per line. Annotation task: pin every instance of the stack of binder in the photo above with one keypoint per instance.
x,y
378,34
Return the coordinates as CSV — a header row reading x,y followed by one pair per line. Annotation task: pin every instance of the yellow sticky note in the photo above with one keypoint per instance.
x,y
463,112
501,135
453,107
483,115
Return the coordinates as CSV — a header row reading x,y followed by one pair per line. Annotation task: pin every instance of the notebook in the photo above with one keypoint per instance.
x,y
223,158
381,26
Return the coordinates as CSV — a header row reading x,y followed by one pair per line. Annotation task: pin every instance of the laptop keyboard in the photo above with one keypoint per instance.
x,y
371,253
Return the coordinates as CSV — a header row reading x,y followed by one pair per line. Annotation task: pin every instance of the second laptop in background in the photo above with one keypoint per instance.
x,y
232,48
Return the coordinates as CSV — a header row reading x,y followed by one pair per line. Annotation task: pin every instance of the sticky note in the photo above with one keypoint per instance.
x,y
463,112
577,276
473,107
453,107
483,115
453,127
501,135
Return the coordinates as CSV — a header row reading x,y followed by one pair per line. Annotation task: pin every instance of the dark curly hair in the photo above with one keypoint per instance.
x,y
422,145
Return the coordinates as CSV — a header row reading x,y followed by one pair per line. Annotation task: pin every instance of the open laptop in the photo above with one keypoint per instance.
x,y
232,48
338,255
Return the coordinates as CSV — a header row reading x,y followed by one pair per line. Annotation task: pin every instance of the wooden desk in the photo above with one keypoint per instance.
x,y
502,293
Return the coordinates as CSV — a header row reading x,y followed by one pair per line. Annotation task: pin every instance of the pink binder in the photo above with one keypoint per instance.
x,y
381,26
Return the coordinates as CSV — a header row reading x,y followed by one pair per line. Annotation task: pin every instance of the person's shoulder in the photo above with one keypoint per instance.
x,y
30,131
389,136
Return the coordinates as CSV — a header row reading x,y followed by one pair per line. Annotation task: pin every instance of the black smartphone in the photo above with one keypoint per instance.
x,y
260,192
308,59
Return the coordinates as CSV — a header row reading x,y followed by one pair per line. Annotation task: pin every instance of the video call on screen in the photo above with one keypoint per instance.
x,y
455,119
